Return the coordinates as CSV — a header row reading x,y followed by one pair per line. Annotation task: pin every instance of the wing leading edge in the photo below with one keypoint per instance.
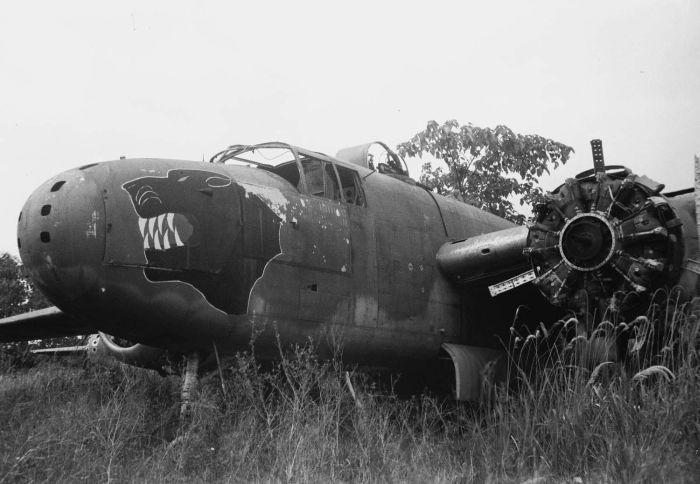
x,y
43,323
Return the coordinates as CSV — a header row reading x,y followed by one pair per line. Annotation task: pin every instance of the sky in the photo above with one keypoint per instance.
x,y
87,81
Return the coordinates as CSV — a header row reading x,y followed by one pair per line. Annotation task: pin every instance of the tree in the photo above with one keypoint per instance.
x,y
17,292
485,166
17,295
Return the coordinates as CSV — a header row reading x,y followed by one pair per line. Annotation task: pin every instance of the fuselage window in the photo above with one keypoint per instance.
x,y
321,180
350,186
288,171
333,182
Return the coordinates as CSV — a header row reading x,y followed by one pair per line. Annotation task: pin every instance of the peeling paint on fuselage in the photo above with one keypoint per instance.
x,y
281,206
273,197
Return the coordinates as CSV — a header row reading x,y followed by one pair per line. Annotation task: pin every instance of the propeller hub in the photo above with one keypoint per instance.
x,y
587,242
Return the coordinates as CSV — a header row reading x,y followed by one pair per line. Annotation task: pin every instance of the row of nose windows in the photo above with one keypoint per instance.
x,y
44,236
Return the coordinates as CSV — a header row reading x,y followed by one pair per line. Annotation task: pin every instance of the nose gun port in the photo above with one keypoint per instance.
x,y
61,234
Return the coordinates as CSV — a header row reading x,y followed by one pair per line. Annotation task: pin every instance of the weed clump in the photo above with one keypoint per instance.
x,y
296,420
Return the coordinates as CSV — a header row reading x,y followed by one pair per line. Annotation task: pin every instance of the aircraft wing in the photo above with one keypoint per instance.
x,y
44,323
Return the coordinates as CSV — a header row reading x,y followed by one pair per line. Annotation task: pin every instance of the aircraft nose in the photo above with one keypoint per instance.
x,y
61,234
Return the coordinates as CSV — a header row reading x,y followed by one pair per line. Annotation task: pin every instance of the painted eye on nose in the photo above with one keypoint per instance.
x,y
218,181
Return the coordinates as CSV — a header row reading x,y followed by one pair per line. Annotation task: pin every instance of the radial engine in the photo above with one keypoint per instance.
x,y
597,242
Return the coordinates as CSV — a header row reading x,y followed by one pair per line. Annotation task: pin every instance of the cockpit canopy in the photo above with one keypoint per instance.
x,y
310,172
375,156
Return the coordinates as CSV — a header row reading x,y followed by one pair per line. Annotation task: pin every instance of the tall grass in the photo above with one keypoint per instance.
x,y
298,422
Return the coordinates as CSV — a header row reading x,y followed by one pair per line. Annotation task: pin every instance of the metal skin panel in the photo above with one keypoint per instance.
x,y
463,221
408,233
321,237
364,261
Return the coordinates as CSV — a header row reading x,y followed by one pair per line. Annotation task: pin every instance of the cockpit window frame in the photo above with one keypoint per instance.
x,y
359,198
234,152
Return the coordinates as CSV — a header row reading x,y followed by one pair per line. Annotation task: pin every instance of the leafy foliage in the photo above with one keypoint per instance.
x,y
17,295
17,292
486,166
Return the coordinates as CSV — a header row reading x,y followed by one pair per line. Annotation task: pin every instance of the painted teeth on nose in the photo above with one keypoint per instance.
x,y
160,232
156,243
170,218
166,240
178,240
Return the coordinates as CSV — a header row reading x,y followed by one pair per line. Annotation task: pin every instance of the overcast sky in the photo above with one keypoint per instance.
x,y
90,81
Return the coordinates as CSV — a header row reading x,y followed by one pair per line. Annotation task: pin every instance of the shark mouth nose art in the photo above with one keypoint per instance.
x,y
165,231
187,228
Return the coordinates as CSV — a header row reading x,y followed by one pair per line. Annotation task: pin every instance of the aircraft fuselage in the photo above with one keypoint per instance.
x,y
180,254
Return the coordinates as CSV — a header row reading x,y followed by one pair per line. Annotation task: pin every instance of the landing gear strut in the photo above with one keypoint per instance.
x,y
189,385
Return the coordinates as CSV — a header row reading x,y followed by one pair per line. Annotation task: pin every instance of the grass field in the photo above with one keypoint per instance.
x,y
637,422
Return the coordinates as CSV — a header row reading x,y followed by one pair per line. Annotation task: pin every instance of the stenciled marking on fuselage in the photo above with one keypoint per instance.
x,y
91,231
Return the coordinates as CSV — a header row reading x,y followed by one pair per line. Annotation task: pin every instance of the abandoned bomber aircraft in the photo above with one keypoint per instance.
x,y
197,259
